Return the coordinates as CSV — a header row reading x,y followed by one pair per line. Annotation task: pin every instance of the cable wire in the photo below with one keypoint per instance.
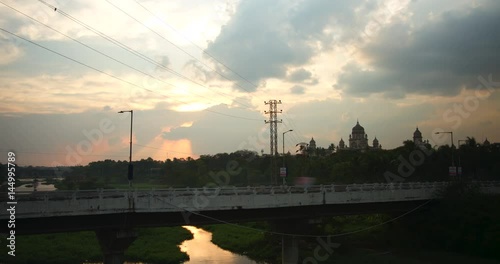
x,y
294,234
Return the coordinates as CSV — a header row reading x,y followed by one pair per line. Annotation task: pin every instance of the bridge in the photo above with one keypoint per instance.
x,y
113,214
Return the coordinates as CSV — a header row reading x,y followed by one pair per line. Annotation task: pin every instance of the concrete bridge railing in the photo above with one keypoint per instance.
x,y
95,202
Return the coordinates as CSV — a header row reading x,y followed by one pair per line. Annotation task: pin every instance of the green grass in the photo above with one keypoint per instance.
x,y
254,244
55,248
159,245
154,245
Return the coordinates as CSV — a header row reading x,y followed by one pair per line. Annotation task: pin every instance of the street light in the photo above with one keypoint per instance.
x,y
284,140
452,146
130,166
284,182
459,158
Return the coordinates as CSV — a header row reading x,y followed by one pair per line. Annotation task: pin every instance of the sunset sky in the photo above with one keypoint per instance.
x,y
197,73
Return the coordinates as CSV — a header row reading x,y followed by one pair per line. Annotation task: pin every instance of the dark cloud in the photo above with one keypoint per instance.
x,y
297,89
259,42
441,57
310,18
302,76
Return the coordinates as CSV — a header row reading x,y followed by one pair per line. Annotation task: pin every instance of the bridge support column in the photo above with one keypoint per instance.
x,y
114,243
289,250
290,243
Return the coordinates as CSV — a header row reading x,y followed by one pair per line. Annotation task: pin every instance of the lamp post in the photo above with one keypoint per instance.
x,y
459,159
452,146
284,140
284,182
130,166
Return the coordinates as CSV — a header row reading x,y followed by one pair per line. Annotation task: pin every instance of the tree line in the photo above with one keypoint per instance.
x,y
248,168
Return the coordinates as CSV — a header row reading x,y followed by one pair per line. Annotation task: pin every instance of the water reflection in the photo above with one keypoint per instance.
x,y
201,250
28,185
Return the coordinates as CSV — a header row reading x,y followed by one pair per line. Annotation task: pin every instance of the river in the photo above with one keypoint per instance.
x,y
27,186
201,250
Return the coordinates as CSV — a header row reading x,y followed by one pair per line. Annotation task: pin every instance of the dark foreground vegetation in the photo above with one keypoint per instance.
x,y
464,227
154,245
465,223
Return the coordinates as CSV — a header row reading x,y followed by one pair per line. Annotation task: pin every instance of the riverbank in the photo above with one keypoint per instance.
x,y
265,248
245,240
154,245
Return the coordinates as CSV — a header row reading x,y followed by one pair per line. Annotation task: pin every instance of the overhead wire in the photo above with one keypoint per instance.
x,y
114,76
295,132
295,234
154,62
131,50
194,44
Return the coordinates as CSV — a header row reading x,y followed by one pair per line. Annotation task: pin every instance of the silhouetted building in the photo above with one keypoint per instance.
x,y
417,138
358,140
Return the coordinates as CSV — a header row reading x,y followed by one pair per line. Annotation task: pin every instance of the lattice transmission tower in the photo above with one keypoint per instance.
x,y
273,121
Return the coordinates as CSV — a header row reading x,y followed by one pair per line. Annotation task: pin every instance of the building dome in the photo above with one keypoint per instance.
x,y
375,143
358,129
417,133
312,144
341,143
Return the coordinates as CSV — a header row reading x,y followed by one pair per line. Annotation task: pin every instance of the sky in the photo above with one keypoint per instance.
x,y
197,75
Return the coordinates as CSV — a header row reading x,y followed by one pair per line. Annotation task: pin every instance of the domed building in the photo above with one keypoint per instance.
x,y
358,140
341,144
417,137
312,144
376,144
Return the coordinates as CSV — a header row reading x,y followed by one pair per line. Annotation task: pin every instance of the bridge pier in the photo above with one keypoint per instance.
x,y
289,250
289,243
114,242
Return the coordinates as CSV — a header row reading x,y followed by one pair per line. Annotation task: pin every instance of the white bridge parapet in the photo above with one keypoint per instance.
x,y
95,202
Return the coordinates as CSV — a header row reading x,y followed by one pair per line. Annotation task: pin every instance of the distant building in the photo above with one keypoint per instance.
x,y
417,138
311,148
358,140
341,144
312,144
375,143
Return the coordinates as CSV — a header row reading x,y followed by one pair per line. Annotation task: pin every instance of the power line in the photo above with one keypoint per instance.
x,y
132,51
113,76
201,49
296,129
103,35
293,234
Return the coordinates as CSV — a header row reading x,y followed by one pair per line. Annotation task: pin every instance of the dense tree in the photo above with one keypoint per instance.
x,y
245,167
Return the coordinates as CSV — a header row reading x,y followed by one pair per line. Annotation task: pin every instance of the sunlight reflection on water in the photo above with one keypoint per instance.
x,y
201,250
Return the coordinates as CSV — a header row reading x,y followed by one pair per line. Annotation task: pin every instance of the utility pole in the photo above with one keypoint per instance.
x,y
273,121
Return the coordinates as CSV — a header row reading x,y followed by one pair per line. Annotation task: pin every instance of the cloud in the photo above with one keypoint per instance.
x,y
440,58
297,89
302,76
9,51
260,41
221,131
